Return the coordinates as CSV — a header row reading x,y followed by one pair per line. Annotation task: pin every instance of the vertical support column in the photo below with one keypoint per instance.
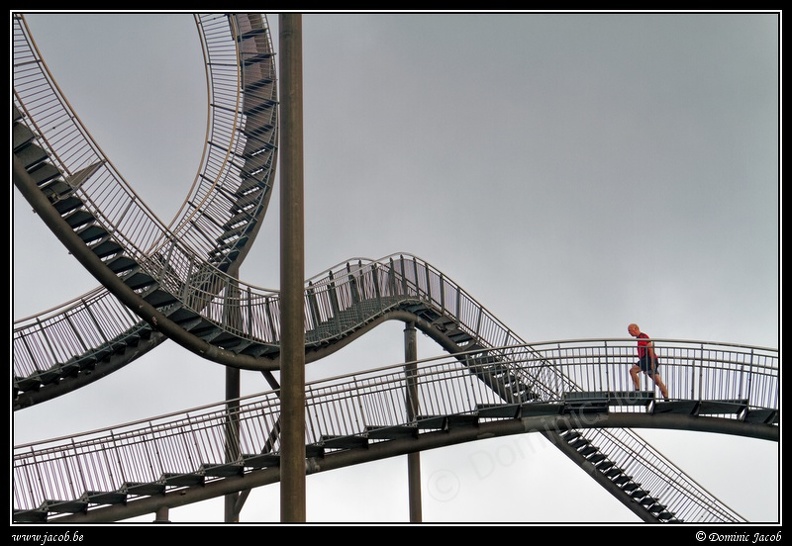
x,y
232,392
292,264
162,515
413,459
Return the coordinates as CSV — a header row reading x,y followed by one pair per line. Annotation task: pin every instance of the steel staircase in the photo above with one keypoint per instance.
x,y
182,273
233,194
364,412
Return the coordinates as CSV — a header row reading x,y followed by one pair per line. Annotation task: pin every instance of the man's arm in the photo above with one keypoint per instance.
x,y
650,348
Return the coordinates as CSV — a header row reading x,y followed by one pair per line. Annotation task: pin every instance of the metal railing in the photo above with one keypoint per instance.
x,y
689,501
105,192
336,303
89,322
354,404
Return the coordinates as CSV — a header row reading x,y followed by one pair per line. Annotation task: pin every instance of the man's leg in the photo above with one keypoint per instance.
x,y
634,374
659,382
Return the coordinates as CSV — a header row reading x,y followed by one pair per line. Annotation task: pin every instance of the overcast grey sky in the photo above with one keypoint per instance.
x,y
572,172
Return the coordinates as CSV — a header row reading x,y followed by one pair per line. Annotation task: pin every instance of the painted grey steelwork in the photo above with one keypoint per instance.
x,y
180,293
722,388
84,339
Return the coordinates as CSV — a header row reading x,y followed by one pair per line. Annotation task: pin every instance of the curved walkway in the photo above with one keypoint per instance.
x,y
136,468
63,349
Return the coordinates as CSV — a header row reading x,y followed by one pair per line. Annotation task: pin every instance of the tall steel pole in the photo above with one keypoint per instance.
x,y
292,265
233,377
413,459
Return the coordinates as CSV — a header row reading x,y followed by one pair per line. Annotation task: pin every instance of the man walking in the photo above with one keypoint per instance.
x,y
647,361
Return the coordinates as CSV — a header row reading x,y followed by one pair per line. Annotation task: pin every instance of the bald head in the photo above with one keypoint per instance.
x,y
633,329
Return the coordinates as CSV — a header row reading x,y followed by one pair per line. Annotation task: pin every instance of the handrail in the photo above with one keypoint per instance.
x,y
208,205
106,192
338,303
354,404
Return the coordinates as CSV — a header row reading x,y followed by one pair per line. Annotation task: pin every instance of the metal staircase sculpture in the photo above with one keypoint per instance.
x,y
178,281
131,469
95,334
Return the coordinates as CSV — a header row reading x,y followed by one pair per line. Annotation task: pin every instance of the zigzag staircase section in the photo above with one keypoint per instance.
x,y
163,269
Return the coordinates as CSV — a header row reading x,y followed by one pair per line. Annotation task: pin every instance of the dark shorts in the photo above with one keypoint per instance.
x,y
645,364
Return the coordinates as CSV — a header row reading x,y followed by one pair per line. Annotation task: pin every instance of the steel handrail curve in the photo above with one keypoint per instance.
x,y
55,337
112,199
70,147
213,172
401,276
347,405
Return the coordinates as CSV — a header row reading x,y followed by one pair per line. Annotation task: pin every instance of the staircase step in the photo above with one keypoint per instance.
x,y
630,486
239,218
104,497
31,155
461,420
539,408
138,280
648,501
657,508
577,443
685,407
250,182
44,173
182,480
92,233
121,263
261,460
22,136
26,384
50,375
630,398
36,515
596,458
722,407
431,422
222,470
605,466
766,416
65,506
344,442
143,488
78,218
106,247
639,494
64,206
158,297
506,411
391,432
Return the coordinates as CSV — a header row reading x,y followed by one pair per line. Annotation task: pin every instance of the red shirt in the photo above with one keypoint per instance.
x,y
643,341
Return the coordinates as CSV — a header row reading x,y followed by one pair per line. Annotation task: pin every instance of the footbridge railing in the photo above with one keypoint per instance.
x,y
215,225
719,383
